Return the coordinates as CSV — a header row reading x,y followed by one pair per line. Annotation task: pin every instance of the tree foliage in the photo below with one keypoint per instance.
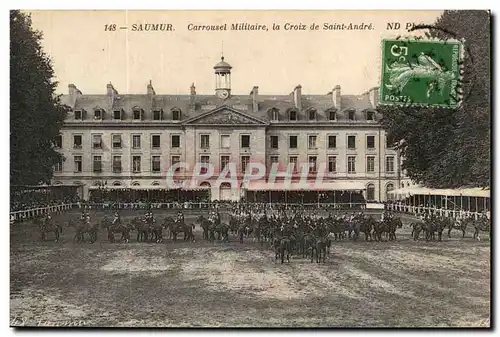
x,y
36,116
445,148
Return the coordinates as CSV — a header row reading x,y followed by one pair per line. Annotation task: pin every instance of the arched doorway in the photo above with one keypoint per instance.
x,y
370,192
389,187
225,192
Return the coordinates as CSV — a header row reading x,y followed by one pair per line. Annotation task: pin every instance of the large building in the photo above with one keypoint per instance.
x,y
133,140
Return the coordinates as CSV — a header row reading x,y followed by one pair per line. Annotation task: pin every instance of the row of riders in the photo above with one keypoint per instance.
x,y
297,233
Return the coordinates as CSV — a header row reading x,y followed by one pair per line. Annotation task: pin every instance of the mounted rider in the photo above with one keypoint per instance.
x,y
180,217
116,219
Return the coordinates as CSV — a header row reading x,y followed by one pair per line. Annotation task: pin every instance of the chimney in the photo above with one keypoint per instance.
x,y
151,90
373,95
73,94
192,98
193,90
112,93
255,95
336,97
297,97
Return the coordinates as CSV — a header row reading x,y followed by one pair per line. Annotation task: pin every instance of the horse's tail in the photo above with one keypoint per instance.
x,y
59,228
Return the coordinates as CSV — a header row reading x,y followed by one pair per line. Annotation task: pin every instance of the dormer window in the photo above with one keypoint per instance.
x,y
176,114
98,113
78,115
117,114
275,114
292,115
351,115
312,115
157,114
138,114
370,115
332,115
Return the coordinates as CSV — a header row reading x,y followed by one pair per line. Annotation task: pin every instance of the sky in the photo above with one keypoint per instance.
x,y
84,54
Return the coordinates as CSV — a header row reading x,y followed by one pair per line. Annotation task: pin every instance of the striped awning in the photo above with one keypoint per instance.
x,y
417,190
306,186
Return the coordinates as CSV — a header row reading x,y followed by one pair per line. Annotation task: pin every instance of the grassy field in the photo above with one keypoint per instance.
x,y
362,284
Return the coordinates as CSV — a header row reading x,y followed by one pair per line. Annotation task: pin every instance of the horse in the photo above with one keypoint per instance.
x,y
417,227
188,232
284,246
393,225
114,228
483,225
367,227
321,248
354,229
205,224
83,227
47,225
460,224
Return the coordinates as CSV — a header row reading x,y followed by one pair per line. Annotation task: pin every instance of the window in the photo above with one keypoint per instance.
x,y
351,142
176,115
176,141
58,141
136,141
117,164
388,188
332,115
312,164
78,163
244,163
370,115
332,142
97,141
351,115
274,142
205,161
293,142
312,115
389,164
77,141
370,142
157,115
332,164
370,164
245,141
58,166
388,143
78,114
117,141
137,114
275,115
174,161
292,114
155,141
274,159
225,141
292,161
98,114
205,141
370,192
155,164
117,114
136,164
224,161
312,142
351,164
97,164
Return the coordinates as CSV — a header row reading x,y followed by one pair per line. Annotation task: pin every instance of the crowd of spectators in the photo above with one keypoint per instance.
x,y
21,200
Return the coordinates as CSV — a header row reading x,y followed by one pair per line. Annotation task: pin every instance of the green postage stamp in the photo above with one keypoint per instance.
x,y
421,72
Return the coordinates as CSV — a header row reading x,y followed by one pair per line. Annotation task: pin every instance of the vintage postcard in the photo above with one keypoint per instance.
x,y
250,169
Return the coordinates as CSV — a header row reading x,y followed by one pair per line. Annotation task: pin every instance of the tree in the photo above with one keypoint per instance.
x,y
445,148
36,115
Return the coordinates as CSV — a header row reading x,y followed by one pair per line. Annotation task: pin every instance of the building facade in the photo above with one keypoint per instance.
x,y
135,140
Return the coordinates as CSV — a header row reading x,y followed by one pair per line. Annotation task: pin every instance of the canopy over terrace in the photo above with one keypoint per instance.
x,y
309,192
474,199
154,193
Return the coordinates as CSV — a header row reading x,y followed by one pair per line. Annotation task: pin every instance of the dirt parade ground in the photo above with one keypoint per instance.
x,y
184,284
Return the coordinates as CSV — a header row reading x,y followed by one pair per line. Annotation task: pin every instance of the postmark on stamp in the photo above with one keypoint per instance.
x,y
421,72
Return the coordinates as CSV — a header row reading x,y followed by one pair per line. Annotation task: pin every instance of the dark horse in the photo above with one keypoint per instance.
x,y
47,225
205,225
460,224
